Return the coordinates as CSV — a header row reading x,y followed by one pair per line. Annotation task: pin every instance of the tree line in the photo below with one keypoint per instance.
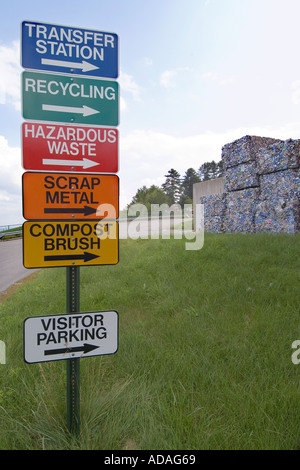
x,y
177,189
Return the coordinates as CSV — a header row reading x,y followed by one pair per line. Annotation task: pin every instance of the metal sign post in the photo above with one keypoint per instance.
x,y
73,365
71,217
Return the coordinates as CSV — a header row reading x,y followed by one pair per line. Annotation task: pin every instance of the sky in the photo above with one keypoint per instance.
x,y
194,76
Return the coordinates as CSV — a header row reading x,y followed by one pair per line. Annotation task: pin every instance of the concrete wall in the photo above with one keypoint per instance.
x,y
260,190
212,191
206,188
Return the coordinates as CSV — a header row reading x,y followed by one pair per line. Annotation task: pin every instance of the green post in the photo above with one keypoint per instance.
x,y
73,365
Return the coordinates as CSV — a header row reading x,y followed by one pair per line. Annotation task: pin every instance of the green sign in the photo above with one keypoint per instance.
x,y
65,98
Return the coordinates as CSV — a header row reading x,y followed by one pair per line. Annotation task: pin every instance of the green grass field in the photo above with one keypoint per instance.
x,y
204,359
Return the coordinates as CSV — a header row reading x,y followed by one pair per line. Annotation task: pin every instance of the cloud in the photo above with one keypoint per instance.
x,y
168,77
145,158
129,88
10,162
147,155
10,183
10,90
123,104
147,61
216,78
296,92
128,85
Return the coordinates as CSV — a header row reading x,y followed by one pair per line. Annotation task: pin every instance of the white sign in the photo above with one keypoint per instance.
x,y
70,336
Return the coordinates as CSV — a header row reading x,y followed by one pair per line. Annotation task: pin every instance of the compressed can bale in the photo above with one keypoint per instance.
x,y
240,211
277,218
297,201
278,203
297,182
279,156
214,210
262,188
244,150
241,177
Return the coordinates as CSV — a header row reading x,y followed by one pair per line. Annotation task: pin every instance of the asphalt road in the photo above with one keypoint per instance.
x,y
11,265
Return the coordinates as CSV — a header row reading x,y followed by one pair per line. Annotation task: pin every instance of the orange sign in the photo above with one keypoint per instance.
x,y
70,196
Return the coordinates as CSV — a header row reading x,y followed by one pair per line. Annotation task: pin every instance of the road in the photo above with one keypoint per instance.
x,y
146,228
11,266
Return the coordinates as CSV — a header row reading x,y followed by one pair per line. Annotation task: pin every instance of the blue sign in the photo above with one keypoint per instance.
x,y
65,49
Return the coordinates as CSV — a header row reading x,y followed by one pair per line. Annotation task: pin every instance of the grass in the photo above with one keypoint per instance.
x,y
204,359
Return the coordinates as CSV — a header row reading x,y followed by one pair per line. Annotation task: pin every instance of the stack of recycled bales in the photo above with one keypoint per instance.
x,y
278,207
242,182
214,212
261,188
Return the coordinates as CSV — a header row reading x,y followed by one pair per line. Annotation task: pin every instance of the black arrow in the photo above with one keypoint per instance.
x,y
86,210
85,257
85,349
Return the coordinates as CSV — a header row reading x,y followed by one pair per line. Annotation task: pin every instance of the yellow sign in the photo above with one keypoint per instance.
x,y
64,243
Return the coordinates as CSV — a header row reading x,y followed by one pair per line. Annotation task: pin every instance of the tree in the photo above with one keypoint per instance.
x,y
172,186
140,196
220,169
210,170
148,196
190,178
